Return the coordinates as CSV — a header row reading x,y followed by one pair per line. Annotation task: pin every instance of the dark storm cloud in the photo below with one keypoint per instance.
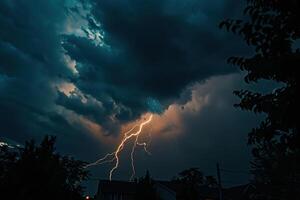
x,y
153,49
209,130
217,132
31,63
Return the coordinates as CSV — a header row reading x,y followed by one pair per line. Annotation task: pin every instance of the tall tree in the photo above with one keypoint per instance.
x,y
191,176
272,27
190,180
38,172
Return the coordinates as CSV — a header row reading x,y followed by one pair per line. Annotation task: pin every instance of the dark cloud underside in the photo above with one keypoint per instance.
x,y
153,49
147,55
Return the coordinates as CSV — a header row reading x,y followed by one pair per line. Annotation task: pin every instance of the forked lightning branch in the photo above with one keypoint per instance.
x,y
134,133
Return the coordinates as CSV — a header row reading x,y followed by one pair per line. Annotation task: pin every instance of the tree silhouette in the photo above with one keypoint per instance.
x,y
191,176
272,27
190,180
38,172
145,188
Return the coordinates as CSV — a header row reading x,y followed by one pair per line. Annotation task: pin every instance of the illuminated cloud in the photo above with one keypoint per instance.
x,y
87,72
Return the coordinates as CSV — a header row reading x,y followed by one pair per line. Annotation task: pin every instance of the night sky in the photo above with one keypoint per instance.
x,y
87,70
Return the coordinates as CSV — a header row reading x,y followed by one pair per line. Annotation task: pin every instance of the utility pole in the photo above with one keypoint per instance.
x,y
219,182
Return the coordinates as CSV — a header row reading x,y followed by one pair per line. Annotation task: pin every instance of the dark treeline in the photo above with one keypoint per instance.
x,y
187,185
272,27
37,172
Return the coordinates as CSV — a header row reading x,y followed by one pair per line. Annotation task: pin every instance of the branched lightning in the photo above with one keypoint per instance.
x,y
114,156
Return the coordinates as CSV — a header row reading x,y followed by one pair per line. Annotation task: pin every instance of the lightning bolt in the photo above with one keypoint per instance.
x,y
114,156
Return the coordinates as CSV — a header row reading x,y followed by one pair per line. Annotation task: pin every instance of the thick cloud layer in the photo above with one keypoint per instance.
x,y
32,67
82,70
30,54
150,49
143,50
203,131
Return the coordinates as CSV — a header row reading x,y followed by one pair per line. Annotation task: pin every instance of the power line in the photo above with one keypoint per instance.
x,y
235,171
92,179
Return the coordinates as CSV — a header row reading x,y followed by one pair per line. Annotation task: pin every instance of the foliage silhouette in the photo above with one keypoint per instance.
x,y
145,188
190,181
38,172
272,27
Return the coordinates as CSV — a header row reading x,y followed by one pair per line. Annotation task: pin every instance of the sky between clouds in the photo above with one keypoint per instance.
x,y
85,70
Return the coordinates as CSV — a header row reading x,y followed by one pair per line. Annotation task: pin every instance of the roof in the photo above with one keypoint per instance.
x,y
239,192
206,191
174,186
125,187
203,191
106,186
